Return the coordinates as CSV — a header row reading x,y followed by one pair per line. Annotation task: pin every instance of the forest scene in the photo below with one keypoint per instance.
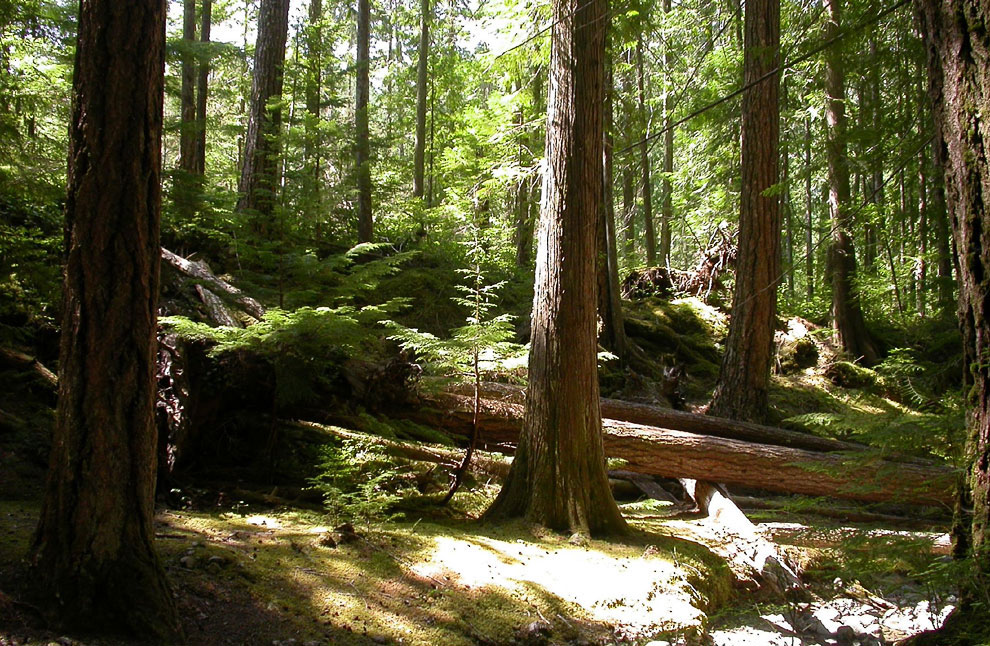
x,y
494,322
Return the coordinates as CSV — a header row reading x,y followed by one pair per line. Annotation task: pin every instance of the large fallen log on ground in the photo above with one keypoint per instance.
x,y
680,420
679,454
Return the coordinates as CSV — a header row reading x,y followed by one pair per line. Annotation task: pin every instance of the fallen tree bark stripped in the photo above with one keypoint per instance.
x,y
200,272
679,454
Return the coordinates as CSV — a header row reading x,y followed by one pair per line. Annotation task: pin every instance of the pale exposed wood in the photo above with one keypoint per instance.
x,y
200,272
215,308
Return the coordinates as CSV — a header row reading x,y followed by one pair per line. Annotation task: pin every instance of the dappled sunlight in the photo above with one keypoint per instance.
x,y
645,592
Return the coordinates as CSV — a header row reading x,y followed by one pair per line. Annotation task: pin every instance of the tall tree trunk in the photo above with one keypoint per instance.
x,y
524,227
93,550
202,91
612,333
742,388
644,156
628,172
312,146
419,156
258,185
558,478
785,205
187,93
959,86
875,187
363,156
847,315
666,187
940,222
809,213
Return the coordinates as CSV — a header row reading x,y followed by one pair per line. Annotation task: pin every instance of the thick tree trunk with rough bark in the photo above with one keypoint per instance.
x,y
744,379
93,550
958,47
558,478
847,315
419,155
258,185
363,149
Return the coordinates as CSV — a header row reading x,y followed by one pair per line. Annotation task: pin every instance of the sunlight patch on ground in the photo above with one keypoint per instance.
x,y
643,593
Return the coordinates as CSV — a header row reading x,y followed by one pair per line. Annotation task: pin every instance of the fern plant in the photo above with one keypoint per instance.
x,y
473,349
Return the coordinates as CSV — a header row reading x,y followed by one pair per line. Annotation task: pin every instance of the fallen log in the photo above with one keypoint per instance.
x,y
17,359
200,272
679,454
682,421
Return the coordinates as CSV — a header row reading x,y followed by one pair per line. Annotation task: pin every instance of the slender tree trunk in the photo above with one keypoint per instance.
x,y
644,157
743,382
419,156
666,187
875,187
259,174
93,550
187,93
363,157
809,212
940,222
628,172
524,228
202,91
847,314
785,205
612,330
959,86
312,146
558,478
921,269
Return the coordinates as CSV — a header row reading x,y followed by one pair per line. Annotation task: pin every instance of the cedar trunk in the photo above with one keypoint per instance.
x,y
847,316
959,86
743,382
363,150
259,173
93,549
558,478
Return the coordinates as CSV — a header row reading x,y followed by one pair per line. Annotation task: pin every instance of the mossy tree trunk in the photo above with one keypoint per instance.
x,y
743,382
558,478
93,549
955,33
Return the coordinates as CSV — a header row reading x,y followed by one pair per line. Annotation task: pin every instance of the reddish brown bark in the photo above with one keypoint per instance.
x,y
558,478
744,379
93,549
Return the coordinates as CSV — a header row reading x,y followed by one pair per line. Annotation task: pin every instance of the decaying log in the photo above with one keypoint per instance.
x,y
16,359
200,272
215,308
679,454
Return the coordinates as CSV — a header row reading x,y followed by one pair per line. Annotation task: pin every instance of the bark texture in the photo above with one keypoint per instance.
x,y
958,44
558,478
847,315
363,149
93,549
744,379
258,185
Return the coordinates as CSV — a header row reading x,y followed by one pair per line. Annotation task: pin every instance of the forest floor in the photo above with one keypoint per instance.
x,y
248,567
279,576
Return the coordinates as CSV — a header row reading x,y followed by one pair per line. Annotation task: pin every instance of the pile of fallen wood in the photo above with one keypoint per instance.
x,y
677,444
